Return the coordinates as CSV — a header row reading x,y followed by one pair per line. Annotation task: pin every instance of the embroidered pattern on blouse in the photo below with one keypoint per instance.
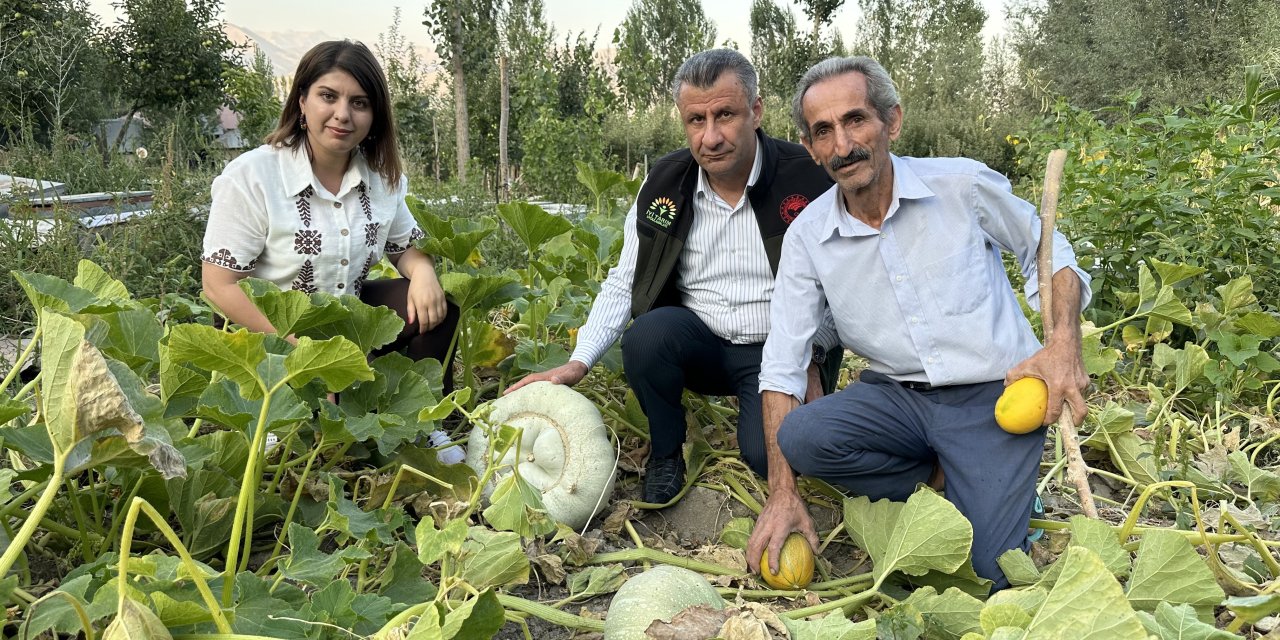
x,y
307,242
304,205
414,236
364,273
223,258
306,280
364,202
371,233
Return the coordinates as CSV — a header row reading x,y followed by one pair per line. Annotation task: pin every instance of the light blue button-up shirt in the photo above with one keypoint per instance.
x,y
923,298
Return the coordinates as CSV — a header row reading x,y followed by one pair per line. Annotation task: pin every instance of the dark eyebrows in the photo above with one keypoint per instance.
x,y
356,96
855,112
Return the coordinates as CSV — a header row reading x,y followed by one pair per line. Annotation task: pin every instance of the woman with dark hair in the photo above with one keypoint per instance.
x,y
322,202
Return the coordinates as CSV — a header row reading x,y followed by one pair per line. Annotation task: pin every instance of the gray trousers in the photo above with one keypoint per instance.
x,y
879,439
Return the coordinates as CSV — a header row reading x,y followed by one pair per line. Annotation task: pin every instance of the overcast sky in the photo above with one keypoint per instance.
x,y
365,20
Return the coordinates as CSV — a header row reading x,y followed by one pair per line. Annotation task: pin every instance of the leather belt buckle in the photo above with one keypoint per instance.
x,y
916,385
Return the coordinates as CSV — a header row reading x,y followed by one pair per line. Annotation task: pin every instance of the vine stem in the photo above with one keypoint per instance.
x,y
662,557
20,539
22,359
248,485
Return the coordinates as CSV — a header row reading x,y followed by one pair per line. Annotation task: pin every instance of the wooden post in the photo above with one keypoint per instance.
x,y
1076,469
504,182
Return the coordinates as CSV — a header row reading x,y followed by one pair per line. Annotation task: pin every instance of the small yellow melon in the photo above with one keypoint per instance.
x,y
795,564
1022,406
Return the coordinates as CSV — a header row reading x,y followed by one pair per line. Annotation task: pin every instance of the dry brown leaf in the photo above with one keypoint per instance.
x,y
722,555
100,402
699,622
622,512
769,617
744,626
550,566
577,550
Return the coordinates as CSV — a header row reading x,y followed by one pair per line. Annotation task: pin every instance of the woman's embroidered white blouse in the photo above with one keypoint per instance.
x,y
271,218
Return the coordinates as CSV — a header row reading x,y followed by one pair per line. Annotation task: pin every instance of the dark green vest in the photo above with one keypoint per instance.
x,y
789,180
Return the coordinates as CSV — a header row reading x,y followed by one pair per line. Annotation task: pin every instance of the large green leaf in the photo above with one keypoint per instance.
x,y
517,506
401,580
926,534
833,627
493,559
59,295
1018,568
1188,363
367,326
10,409
136,622
1237,294
1169,570
1254,608
1259,323
133,337
1171,274
1086,603
307,563
434,543
235,355
1179,622
337,362
95,280
532,224
221,405
1099,538
282,308
950,614
597,181
1259,482
478,618
346,517
60,348
481,292
259,610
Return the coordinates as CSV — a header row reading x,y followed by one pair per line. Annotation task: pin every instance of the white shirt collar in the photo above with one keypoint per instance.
x,y
296,174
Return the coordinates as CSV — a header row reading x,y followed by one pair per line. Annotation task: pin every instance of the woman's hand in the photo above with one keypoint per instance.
x,y
426,303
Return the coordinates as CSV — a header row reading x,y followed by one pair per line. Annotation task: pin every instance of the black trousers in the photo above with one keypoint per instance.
x,y
393,293
668,350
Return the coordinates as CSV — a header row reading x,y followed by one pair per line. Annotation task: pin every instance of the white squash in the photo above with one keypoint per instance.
x,y
657,594
564,450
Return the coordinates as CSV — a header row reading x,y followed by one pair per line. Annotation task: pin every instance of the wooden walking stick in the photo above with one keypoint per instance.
x,y
1076,469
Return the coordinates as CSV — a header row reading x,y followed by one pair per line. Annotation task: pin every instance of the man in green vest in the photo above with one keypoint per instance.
x,y
690,293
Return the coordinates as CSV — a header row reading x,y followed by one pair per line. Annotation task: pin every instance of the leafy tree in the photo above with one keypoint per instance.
x,y
1085,50
464,32
774,48
934,52
655,37
169,57
251,92
55,54
410,98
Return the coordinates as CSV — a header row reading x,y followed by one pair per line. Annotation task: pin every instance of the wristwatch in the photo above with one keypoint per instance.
x,y
819,354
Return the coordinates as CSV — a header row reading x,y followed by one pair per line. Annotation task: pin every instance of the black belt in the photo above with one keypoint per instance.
x,y
917,386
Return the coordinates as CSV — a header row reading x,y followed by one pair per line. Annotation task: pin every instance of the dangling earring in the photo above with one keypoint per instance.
x,y
302,121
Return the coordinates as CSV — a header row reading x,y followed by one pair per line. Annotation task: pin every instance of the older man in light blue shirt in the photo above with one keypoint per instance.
x,y
905,253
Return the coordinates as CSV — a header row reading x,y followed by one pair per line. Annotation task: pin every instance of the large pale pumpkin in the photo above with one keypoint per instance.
x,y
657,594
564,449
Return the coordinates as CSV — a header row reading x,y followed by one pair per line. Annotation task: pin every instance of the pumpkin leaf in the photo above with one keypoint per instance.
x,y
434,543
532,224
1003,616
1018,568
478,618
481,292
516,505
337,362
950,614
401,580
235,355
307,563
1169,570
95,280
1237,294
1171,274
1086,603
51,292
492,559
136,622
926,533
1179,622
59,352
367,326
1098,537
595,581
1259,323
833,627
1188,363
736,532
1254,608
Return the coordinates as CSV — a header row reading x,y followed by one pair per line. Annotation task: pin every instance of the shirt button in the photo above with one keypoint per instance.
x,y
345,262
337,205
930,360
343,286
915,320
899,278
884,236
346,231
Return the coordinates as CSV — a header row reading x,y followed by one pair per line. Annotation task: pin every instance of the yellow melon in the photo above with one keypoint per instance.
x,y
795,564
1022,406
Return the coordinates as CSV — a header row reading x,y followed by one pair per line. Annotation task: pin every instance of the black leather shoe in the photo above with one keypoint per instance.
x,y
663,479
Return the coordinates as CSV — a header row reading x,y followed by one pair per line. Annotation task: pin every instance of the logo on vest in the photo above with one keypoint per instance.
x,y
791,207
662,212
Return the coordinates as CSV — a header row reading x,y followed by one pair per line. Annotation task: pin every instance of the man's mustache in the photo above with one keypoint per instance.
x,y
857,155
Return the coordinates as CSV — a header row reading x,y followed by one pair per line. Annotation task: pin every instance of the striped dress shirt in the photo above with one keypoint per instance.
x,y
723,275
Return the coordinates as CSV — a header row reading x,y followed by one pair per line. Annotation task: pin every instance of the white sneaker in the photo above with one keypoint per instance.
x,y
446,451
272,441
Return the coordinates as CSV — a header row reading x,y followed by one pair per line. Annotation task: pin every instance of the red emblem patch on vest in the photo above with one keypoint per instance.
x,y
791,207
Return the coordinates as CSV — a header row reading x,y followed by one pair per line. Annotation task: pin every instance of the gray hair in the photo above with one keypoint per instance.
x,y
704,68
880,90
